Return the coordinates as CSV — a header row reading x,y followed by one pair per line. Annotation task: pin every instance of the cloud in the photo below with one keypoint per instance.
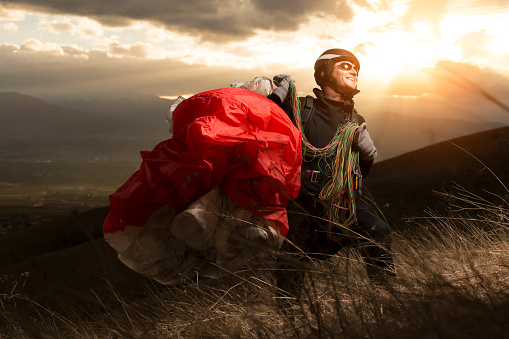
x,y
137,50
216,20
36,67
89,29
34,45
49,70
374,6
84,28
10,26
7,14
55,26
154,35
363,47
429,12
464,82
452,90
455,81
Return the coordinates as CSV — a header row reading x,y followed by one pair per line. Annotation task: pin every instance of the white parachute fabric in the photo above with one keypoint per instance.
x,y
260,85
211,237
169,115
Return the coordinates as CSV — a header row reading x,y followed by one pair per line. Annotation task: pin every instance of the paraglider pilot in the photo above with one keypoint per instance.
x,y
322,117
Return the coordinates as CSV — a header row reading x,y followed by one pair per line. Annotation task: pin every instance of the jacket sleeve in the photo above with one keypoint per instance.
x,y
365,165
285,106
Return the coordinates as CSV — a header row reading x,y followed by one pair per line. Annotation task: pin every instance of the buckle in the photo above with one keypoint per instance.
x,y
312,176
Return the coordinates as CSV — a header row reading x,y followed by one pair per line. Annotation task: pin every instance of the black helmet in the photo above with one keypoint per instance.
x,y
325,62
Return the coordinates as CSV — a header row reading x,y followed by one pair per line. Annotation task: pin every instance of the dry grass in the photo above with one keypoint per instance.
x,y
452,281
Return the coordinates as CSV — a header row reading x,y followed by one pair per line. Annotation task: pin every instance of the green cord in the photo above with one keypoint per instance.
x,y
338,192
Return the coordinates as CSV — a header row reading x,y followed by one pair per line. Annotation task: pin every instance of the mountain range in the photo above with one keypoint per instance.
x,y
35,130
107,129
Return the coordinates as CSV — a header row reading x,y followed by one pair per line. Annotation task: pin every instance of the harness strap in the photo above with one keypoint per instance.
x,y
307,111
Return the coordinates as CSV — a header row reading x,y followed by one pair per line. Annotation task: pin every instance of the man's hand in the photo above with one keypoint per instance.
x,y
362,142
282,81
280,77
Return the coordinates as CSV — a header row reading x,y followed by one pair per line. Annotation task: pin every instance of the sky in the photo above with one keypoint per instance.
x,y
429,57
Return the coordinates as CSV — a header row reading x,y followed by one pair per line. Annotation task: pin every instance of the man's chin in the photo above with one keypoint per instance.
x,y
350,90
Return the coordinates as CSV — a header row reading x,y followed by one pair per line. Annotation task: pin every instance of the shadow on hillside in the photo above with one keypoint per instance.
x,y
64,263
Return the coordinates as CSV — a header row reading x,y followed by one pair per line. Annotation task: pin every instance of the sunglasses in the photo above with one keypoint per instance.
x,y
345,66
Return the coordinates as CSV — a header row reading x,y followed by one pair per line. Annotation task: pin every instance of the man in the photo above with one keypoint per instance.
x,y
336,72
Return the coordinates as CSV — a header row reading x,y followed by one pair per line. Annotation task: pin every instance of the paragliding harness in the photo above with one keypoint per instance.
x,y
341,186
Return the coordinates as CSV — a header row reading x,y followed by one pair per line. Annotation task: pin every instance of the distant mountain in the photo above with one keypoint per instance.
x,y
393,133
33,129
23,116
402,186
93,126
148,110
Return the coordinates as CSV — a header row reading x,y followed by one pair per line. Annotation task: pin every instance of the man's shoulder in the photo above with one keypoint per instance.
x,y
356,116
307,100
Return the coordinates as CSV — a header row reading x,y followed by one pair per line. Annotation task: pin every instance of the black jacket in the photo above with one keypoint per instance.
x,y
327,116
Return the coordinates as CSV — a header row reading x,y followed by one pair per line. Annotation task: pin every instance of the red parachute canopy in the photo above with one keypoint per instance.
x,y
230,137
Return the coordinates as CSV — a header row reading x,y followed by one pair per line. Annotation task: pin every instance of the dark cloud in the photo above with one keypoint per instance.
x,y
219,20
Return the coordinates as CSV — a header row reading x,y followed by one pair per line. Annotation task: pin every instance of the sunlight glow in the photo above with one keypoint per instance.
x,y
175,97
412,97
386,39
423,29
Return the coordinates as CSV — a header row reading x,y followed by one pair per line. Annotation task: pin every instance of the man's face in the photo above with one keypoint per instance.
x,y
344,76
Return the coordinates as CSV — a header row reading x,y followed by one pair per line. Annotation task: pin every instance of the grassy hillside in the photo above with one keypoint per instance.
x,y
452,281
61,279
403,186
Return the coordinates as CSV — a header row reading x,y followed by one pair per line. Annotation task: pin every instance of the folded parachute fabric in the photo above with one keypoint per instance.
x,y
230,141
212,237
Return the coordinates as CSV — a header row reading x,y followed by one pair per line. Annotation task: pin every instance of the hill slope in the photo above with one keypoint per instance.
x,y
403,185
61,261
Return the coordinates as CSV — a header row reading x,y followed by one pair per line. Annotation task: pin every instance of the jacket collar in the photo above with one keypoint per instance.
x,y
333,106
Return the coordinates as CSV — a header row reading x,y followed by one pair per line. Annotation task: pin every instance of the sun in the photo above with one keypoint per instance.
x,y
384,48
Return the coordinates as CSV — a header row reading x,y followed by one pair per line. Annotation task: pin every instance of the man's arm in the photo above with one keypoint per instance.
x,y
367,150
282,92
